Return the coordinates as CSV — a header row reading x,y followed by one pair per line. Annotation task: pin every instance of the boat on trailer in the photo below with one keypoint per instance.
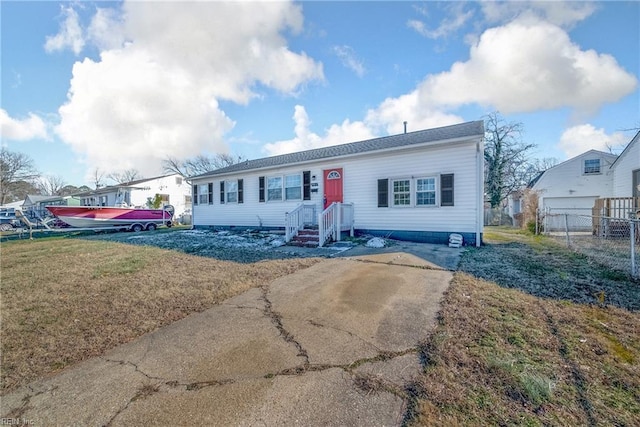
x,y
130,218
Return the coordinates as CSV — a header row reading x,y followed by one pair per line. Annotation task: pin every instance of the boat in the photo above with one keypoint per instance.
x,y
118,217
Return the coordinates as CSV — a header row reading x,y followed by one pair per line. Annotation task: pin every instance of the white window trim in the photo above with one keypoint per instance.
x,y
436,190
226,191
266,189
284,186
413,192
584,167
204,194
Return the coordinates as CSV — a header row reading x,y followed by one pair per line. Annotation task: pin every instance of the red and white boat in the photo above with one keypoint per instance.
x,y
135,219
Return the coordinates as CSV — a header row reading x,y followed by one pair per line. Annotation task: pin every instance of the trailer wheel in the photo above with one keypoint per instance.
x,y
169,224
151,227
136,228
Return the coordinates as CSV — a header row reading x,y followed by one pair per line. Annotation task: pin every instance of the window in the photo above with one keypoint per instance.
x,y
178,180
425,192
592,166
274,188
293,187
232,191
402,192
446,189
203,194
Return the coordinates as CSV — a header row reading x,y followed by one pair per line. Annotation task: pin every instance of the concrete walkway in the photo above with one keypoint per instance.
x,y
335,344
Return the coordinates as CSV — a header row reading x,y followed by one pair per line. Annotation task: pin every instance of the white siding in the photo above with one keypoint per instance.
x,y
164,185
567,181
623,168
360,181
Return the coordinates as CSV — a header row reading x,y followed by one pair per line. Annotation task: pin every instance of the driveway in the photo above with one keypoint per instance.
x,y
335,344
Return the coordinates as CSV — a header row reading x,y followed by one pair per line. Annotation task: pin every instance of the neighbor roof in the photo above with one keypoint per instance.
x,y
462,130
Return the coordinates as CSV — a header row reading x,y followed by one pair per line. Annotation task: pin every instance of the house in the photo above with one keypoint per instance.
x,y
573,186
161,190
626,170
419,186
33,206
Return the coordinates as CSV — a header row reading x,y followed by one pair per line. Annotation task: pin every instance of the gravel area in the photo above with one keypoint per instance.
x,y
239,246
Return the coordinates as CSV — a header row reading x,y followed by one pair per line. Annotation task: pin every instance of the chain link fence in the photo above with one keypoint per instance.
x,y
614,242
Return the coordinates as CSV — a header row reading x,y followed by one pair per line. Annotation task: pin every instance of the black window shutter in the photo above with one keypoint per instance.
x,y
446,190
195,195
240,196
306,185
261,188
383,193
222,192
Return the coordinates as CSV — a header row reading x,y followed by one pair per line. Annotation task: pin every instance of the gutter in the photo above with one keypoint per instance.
x,y
480,193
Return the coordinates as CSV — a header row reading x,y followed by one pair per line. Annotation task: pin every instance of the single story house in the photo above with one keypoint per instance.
x,y
418,186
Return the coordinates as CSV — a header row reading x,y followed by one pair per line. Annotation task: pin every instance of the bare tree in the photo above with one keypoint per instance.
x,y
128,175
199,164
506,158
51,185
98,177
16,170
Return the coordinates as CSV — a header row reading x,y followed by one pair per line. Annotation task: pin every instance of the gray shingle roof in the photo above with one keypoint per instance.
x,y
462,130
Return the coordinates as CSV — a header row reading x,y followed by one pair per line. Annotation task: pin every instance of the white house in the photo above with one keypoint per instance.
x,y
168,189
626,170
573,186
418,186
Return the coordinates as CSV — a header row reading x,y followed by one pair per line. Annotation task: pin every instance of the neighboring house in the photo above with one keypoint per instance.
x,y
167,189
626,170
418,186
573,186
33,206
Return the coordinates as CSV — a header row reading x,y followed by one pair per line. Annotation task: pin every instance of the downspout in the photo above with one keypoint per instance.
x,y
480,193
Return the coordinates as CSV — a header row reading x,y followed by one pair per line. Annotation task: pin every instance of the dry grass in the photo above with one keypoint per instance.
x,y
65,300
506,357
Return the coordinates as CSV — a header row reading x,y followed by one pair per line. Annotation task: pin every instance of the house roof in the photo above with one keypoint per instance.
x,y
462,130
112,188
634,140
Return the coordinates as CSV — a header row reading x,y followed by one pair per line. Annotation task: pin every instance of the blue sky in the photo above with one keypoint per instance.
x,y
122,85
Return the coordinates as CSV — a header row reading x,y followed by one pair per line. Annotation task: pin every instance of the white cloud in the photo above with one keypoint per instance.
x,y
70,34
156,89
349,59
578,139
456,19
562,13
527,66
22,130
305,139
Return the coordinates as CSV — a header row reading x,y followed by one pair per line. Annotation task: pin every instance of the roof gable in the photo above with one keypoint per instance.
x,y
458,131
627,149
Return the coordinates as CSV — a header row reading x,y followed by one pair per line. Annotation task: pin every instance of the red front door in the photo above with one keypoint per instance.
x,y
332,186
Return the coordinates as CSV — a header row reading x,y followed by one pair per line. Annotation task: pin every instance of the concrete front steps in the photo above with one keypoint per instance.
x,y
306,238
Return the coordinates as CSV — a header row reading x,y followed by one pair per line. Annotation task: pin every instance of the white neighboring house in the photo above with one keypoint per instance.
x,y
418,186
171,189
573,186
626,170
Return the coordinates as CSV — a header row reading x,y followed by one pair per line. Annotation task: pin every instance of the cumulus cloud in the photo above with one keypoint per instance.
x,y
578,139
304,139
349,59
163,70
70,34
22,130
529,65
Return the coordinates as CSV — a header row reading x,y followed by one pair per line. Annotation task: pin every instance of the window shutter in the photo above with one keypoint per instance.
x,y
195,195
222,192
240,196
306,185
211,193
446,190
383,193
261,188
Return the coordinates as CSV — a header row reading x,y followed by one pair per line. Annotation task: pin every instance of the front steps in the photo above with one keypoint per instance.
x,y
308,238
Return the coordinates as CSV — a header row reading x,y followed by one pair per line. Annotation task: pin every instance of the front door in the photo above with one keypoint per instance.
x,y
332,186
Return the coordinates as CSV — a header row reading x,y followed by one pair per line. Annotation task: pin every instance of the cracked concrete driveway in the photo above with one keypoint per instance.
x,y
335,344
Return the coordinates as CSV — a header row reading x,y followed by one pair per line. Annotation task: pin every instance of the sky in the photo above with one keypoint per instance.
x,y
113,86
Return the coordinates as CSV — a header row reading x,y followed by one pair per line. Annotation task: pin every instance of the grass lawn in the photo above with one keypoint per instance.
x,y
64,300
531,333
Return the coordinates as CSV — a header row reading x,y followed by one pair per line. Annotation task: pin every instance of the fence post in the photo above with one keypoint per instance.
x,y
632,234
566,229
